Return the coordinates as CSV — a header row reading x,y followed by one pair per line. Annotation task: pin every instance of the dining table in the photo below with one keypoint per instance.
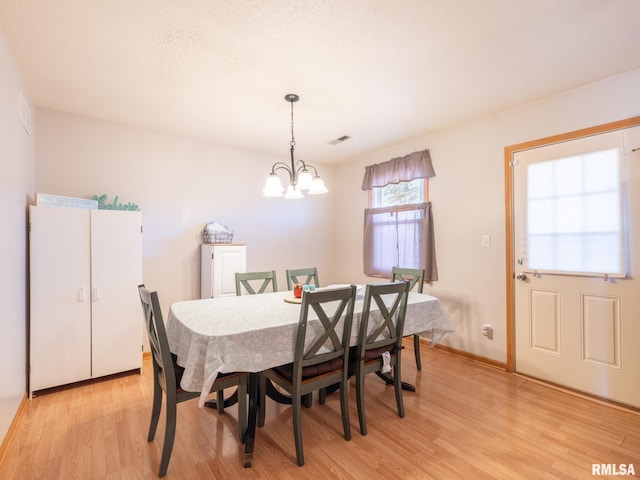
x,y
252,333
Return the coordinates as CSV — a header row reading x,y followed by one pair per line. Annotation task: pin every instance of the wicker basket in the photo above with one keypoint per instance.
x,y
218,237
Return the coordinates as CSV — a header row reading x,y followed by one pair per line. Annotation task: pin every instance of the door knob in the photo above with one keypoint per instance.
x,y
521,276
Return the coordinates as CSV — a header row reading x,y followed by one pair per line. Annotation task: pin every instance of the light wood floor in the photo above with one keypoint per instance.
x,y
466,421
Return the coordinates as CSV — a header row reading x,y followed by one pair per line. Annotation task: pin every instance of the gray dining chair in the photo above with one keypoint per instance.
x,y
167,375
250,282
304,276
414,276
321,356
380,335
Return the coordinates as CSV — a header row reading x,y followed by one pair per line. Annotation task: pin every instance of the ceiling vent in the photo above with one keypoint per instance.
x,y
338,141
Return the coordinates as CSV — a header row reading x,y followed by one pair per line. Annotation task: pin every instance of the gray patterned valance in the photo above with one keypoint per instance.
x,y
400,169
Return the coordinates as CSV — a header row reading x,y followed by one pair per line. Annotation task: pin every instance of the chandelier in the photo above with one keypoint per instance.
x,y
300,178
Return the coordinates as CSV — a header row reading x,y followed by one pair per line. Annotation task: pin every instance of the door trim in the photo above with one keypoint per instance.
x,y
509,152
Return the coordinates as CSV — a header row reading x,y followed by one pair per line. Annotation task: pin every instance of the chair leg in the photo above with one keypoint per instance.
x,y
344,407
416,350
322,396
220,401
297,427
155,412
360,402
398,387
169,436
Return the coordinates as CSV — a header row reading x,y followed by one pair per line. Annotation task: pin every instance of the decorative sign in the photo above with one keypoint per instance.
x,y
46,200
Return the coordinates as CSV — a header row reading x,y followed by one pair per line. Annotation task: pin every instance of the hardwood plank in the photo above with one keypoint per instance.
x,y
465,420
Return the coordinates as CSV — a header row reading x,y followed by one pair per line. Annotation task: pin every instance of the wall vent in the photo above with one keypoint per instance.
x,y
338,141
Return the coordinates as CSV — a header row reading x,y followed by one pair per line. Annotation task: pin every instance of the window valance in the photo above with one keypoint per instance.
x,y
400,169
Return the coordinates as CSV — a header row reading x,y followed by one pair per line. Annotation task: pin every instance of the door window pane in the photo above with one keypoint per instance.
x,y
575,214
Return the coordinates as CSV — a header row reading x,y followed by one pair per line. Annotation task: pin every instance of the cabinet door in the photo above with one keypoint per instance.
x,y
227,260
60,299
219,264
116,271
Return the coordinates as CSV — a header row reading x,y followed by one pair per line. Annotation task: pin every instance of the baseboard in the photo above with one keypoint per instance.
x,y
577,393
12,428
472,356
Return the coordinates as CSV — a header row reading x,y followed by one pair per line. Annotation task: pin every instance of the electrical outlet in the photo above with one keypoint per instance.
x,y
487,331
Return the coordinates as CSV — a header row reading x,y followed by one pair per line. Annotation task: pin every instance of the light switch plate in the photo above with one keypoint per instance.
x,y
485,241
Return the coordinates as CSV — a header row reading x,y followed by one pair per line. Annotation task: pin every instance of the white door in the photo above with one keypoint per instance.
x,y
576,232
60,317
116,272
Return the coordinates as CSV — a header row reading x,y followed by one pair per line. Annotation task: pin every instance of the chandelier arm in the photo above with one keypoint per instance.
x,y
314,169
305,166
302,167
283,166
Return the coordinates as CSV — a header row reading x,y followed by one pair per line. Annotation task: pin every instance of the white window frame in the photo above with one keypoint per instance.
x,y
376,202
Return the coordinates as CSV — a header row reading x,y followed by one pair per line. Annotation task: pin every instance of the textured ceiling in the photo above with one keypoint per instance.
x,y
380,71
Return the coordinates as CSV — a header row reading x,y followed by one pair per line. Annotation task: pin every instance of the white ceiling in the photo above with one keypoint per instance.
x,y
383,72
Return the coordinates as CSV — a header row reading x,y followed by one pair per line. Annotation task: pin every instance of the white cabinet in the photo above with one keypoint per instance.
x,y
219,264
85,321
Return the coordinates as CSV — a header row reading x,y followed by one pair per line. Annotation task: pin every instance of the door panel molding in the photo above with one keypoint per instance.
x,y
601,322
545,321
509,153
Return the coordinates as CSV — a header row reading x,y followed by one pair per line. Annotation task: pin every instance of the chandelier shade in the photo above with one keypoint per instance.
x,y
273,187
300,177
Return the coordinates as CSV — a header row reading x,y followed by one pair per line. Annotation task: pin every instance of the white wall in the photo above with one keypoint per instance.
x,y
468,196
181,184
16,190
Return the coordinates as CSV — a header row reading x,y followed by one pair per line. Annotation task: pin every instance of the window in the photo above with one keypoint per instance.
x,y
575,214
398,226
399,193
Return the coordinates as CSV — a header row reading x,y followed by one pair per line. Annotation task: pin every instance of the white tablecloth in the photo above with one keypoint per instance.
x,y
251,333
